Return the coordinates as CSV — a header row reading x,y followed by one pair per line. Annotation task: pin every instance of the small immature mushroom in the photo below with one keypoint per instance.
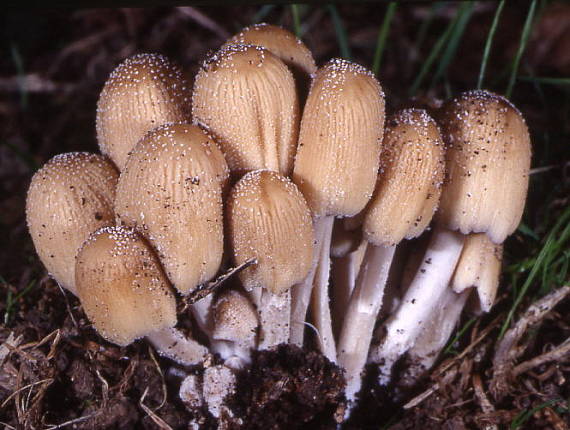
x,y
234,328
487,160
126,295
171,192
245,96
335,168
143,92
405,199
69,198
269,220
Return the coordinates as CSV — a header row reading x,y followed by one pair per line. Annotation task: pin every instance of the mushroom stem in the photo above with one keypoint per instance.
x,y
301,293
344,273
201,312
171,343
363,309
420,301
434,336
236,355
320,296
274,315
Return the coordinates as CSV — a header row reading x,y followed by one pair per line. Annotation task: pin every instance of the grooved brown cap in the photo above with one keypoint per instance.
x,y
339,142
479,266
69,198
171,192
409,183
290,49
235,318
488,159
143,92
246,97
121,286
269,220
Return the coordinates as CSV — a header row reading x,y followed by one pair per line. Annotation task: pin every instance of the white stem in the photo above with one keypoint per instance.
x,y
236,355
434,336
344,273
201,312
419,302
171,343
274,318
301,294
361,315
320,297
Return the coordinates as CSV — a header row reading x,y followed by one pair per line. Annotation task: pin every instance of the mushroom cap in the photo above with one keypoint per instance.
x,y
171,192
122,287
340,139
479,266
246,97
268,219
235,318
280,42
412,166
69,198
143,92
488,160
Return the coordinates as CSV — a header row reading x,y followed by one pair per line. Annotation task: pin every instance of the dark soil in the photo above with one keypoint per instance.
x,y
52,68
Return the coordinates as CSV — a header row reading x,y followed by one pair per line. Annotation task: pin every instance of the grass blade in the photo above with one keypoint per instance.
x,y
296,20
551,81
522,46
425,25
262,13
554,241
340,31
463,15
382,36
489,43
432,56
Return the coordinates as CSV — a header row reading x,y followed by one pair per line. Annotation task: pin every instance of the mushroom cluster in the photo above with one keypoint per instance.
x,y
292,173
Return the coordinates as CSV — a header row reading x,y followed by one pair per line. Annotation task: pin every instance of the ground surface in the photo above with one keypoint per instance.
x,y
52,67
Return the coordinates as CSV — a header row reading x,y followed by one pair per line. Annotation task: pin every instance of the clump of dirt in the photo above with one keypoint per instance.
x,y
289,388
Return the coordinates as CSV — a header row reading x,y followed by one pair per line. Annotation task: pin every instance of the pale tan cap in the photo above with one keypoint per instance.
x,y
122,287
69,198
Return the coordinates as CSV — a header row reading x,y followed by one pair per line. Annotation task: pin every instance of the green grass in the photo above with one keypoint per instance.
x,y
489,43
527,28
524,415
12,299
382,37
296,20
550,81
340,32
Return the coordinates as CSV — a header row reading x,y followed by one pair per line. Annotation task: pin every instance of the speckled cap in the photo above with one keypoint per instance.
x,y
340,139
234,317
122,287
69,198
143,92
409,183
488,160
268,219
171,192
246,97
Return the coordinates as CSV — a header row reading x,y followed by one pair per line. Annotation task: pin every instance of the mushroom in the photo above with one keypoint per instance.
x,y
245,96
405,199
335,168
234,328
69,198
126,295
285,45
488,158
269,220
170,191
143,92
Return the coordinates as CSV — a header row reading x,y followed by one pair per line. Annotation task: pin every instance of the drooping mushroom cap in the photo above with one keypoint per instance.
x,y
69,198
143,92
269,220
290,49
122,287
245,96
409,182
488,159
479,266
235,318
171,192
339,142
